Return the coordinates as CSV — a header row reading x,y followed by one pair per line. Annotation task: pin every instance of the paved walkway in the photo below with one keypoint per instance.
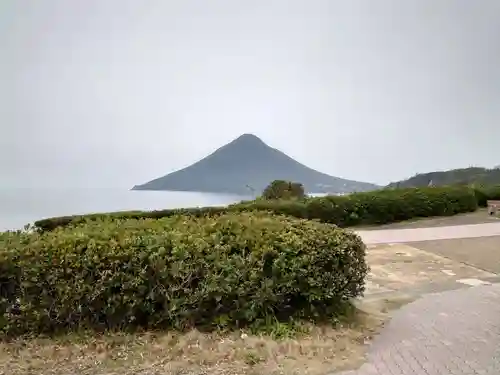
x,y
449,333
429,234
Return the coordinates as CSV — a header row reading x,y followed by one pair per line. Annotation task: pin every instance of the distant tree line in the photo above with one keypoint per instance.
x,y
463,176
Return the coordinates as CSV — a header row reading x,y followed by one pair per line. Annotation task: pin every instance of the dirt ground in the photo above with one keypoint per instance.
x,y
318,351
401,273
478,217
400,267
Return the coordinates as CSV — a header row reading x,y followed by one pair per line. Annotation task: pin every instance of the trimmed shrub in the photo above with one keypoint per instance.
x,y
377,207
294,208
387,206
178,272
61,221
486,193
280,189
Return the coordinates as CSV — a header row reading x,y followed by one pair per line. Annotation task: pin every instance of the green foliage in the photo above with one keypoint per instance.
x,y
462,176
388,206
61,221
243,269
280,189
377,207
486,193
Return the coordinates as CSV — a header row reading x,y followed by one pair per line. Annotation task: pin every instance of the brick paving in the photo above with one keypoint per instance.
x,y
449,333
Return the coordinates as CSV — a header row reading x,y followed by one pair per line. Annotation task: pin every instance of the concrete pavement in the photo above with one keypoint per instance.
x,y
429,234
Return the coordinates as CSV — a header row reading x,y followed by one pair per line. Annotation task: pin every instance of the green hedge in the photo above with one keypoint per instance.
x,y
485,193
387,206
178,272
378,207
62,221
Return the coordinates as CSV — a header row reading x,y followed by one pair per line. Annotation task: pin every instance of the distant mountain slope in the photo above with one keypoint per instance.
x,y
461,176
247,164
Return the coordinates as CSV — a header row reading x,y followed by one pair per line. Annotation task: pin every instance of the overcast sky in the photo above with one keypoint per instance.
x,y
117,92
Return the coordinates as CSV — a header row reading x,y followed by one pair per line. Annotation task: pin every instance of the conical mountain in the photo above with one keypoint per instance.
x,y
248,165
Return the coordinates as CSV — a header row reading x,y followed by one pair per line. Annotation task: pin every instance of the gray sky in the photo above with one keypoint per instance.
x,y
117,92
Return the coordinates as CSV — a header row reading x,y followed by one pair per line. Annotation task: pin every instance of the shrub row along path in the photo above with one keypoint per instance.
x,y
454,332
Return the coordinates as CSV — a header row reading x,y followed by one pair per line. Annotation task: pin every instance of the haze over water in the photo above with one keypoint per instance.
x,y
22,206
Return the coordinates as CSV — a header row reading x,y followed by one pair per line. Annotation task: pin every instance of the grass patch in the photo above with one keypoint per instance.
x,y
299,349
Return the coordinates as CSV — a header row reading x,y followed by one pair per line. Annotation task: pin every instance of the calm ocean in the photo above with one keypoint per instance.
x,y
22,206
